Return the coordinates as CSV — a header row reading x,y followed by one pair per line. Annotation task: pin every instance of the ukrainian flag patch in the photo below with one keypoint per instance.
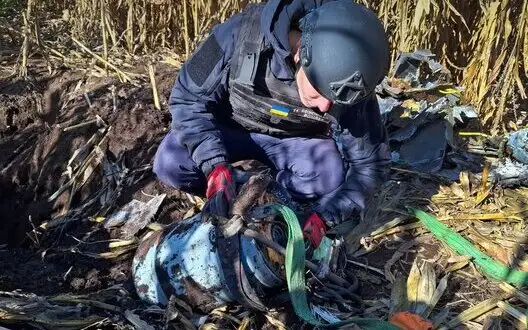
x,y
279,110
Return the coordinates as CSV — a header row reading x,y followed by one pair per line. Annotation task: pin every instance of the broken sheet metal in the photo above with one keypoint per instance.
x,y
420,70
509,173
134,216
418,105
415,72
425,152
518,145
464,112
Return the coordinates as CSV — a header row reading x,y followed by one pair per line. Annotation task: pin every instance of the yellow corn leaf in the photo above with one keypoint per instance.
x,y
487,216
507,26
456,266
426,288
483,183
421,11
190,212
464,183
475,311
449,91
413,285
279,325
154,226
410,104
117,244
482,195
473,134
245,323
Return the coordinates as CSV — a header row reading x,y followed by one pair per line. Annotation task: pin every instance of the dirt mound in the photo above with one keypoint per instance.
x,y
43,121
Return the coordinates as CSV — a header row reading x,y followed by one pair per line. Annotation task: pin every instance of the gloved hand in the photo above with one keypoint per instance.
x,y
329,215
314,229
220,191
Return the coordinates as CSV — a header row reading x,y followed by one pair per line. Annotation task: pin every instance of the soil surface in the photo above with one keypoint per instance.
x,y
35,146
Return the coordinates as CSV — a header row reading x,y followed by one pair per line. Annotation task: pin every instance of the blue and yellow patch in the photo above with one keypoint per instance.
x,y
279,110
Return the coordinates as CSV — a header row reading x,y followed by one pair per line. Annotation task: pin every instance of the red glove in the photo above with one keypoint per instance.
x,y
314,229
220,179
220,191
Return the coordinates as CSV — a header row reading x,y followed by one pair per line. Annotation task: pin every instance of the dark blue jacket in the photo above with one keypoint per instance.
x,y
201,92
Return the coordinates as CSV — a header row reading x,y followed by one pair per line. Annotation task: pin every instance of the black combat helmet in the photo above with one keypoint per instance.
x,y
344,51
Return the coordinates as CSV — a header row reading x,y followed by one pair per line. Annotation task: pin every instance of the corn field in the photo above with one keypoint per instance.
x,y
483,43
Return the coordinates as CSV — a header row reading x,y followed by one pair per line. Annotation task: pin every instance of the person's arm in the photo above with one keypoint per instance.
x,y
364,147
200,88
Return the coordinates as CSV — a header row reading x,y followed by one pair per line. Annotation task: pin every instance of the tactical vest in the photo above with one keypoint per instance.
x,y
261,102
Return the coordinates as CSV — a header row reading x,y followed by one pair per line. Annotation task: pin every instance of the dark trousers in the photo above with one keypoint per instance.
x,y
308,167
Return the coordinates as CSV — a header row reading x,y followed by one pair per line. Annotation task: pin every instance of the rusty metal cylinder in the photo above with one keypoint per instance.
x,y
183,260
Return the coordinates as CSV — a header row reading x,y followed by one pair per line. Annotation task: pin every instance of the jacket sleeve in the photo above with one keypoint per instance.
x,y
199,91
363,144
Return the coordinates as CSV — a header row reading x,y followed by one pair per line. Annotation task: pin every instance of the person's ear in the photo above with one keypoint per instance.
x,y
297,56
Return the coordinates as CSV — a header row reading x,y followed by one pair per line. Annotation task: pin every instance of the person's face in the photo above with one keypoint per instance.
x,y
309,96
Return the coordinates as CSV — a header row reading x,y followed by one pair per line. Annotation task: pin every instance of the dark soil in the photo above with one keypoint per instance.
x,y
34,152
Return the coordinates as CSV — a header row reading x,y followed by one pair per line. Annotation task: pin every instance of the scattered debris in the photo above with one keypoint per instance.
x,y
134,216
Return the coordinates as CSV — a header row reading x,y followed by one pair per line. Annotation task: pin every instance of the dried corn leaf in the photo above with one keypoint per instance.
x,y
275,322
391,224
475,311
457,190
398,299
465,184
520,316
487,216
438,292
456,266
42,313
426,288
121,243
210,326
492,249
513,291
245,323
413,282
